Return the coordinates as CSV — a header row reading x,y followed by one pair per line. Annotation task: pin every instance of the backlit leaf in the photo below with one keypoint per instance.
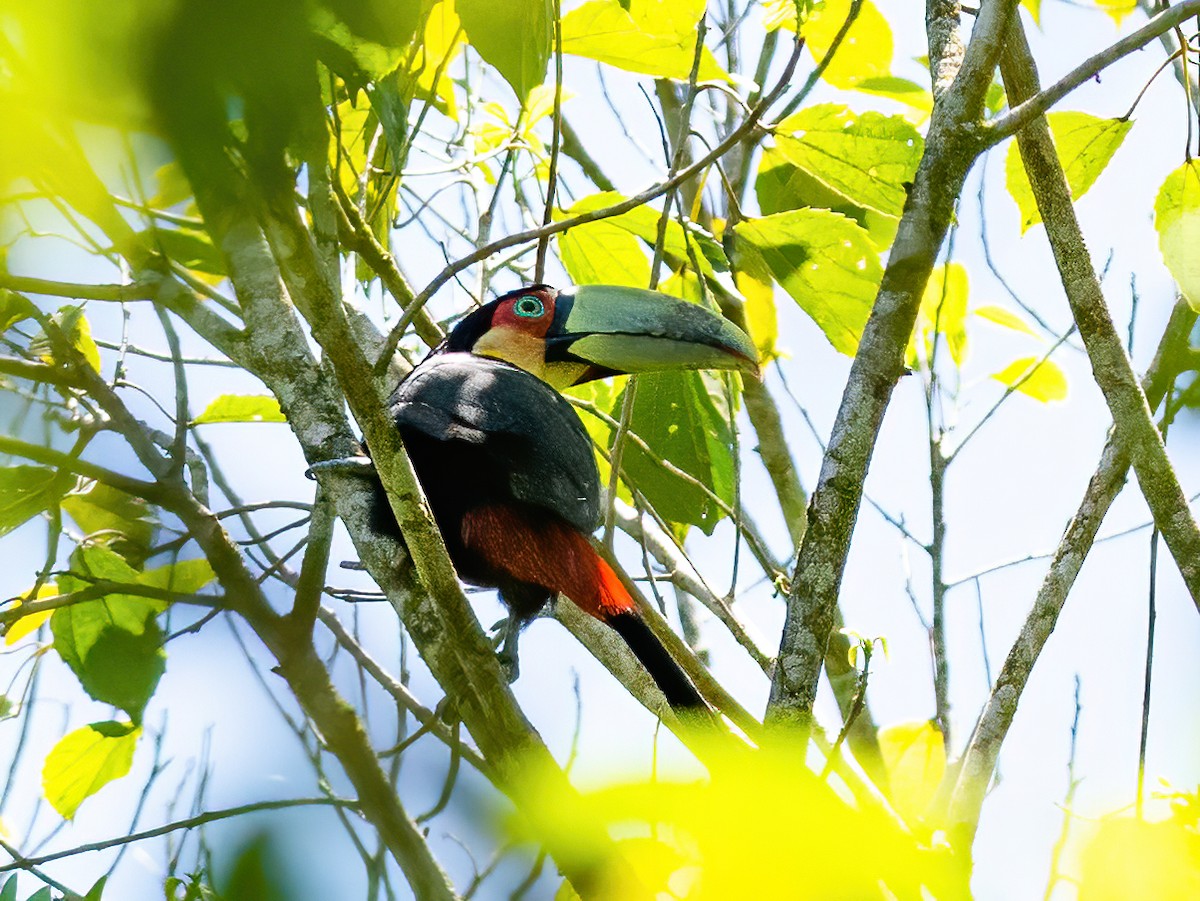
x,y
1084,143
1130,858
867,159
14,308
826,262
916,97
758,288
27,625
1005,318
76,330
1177,220
866,51
86,760
915,757
652,37
190,248
182,577
114,517
25,491
1044,381
602,253
513,36
780,186
943,312
242,408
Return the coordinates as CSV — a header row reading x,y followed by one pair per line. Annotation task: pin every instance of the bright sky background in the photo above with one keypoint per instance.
x,y
1010,495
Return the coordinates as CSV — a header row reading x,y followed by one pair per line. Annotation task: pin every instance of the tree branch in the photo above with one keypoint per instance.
x,y
1034,105
978,761
950,150
1113,372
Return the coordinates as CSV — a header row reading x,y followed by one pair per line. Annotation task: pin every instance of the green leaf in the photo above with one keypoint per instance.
x,y
604,395
868,159
190,248
641,223
173,186
911,94
86,760
943,312
42,894
96,891
604,253
864,54
652,37
75,329
826,262
1005,318
114,517
780,186
1177,220
14,308
754,281
915,757
1084,143
9,891
513,36
241,408
25,491
683,419
1044,381
181,577
113,644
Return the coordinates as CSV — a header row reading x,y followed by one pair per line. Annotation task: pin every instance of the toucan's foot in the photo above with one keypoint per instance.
x,y
361,466
506,647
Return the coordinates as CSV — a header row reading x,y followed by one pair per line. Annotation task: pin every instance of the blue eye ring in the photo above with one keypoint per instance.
x,y
529,307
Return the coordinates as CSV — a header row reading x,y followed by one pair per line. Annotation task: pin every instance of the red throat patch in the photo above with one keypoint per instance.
x,y
539,548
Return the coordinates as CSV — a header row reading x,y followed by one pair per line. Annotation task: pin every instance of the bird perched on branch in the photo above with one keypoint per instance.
x,y
508,467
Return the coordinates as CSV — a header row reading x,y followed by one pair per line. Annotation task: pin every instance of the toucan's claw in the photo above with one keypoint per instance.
x,y
506,647
360,466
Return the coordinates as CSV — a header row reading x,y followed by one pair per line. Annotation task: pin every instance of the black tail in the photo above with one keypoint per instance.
x,y
674,683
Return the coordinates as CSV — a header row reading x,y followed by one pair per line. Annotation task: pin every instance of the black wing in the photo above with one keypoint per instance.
x,y
480,430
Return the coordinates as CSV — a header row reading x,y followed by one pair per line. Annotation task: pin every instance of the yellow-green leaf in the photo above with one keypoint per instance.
x,y
753,279
1044,381
1130,858
1084,143
651,37
1177,220
918,98
86,760
1117,9
27,625
603,253
943,312
182,577
443,41
915,757
242,408
868,159
1035,10
1005,318
826,262
866,51
78,332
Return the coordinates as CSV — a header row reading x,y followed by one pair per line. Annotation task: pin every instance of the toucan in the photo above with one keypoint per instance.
x,y
507,465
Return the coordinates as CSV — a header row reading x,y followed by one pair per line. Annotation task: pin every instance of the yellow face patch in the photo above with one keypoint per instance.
x,y
514,346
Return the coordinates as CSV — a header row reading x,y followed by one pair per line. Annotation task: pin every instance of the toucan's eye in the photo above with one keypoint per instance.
x,y
529,307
